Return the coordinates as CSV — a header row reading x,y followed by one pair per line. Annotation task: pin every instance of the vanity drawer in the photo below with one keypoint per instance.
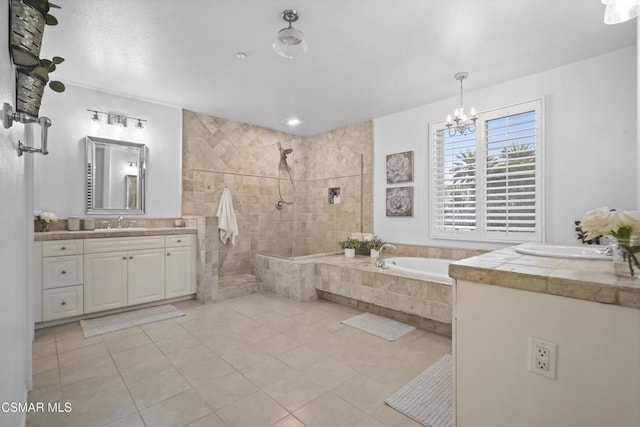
x,y
61,271
61,302
179,240
117,244
62,247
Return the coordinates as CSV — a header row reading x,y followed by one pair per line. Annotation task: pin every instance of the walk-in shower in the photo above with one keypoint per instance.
x,y
283,167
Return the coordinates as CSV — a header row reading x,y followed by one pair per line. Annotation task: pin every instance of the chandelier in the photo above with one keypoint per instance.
x,y
461,123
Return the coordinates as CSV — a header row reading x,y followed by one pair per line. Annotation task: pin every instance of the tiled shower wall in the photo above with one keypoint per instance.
x,y
219,153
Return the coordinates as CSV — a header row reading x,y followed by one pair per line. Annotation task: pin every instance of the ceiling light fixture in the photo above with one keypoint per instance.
x,y
241,55
618,11
293,121
460,122
290,42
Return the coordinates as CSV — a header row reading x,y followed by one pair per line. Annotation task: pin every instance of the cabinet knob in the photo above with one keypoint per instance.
x,y
124,257
63,248
130,257
63,272
63,303
179,240
168,253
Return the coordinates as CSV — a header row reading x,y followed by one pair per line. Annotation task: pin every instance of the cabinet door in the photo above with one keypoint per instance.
x,y
180,274
105,281
146,275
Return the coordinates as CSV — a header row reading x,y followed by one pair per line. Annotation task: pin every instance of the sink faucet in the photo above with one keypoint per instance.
x,y
120,218
379,261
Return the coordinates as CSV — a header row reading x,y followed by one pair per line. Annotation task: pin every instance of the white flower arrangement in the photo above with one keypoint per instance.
x,y
46,218
621,225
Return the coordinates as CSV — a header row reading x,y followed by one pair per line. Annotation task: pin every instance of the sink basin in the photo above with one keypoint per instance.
x,y
559,251
121,230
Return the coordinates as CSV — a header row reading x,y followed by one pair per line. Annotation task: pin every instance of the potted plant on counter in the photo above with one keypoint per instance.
x,y
349,247
374,246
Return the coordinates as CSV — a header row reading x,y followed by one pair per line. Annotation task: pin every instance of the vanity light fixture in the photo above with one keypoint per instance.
x,y
461,123
618,11
290,42
116,119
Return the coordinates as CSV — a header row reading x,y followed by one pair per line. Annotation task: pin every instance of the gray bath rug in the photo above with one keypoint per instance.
x,y
379,326
116,322
428,398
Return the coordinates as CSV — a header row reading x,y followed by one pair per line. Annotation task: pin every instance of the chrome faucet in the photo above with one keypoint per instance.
x,y
379,261
120,218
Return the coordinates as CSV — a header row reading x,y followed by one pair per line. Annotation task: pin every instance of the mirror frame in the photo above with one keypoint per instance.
x,y
90,178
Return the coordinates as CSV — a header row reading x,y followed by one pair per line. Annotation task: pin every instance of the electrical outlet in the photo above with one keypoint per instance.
x,y
543,357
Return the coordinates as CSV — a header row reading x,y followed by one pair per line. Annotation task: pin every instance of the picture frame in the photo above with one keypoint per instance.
x,y
399,201
400,167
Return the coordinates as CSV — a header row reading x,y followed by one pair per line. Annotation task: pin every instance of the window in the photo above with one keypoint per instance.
x,y
486,185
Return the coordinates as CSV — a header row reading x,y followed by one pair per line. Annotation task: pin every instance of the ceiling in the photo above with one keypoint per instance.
x,y
366,58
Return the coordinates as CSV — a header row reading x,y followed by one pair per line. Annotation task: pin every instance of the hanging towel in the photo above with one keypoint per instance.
x,y
227,223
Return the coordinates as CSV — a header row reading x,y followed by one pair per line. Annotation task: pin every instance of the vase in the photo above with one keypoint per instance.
x,y
27,26
626,253
29,90
350,252
374,253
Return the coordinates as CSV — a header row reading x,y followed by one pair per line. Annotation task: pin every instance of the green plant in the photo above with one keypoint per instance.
x,y
350,243
375,244
47,67
44,6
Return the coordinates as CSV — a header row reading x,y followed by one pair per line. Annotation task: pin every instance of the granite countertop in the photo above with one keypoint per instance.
x,y
574,278
101,233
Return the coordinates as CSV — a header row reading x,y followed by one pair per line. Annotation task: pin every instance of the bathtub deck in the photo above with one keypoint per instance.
x,y
359,283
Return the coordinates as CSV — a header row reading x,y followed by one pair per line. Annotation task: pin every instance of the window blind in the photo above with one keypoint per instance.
x,y
486,185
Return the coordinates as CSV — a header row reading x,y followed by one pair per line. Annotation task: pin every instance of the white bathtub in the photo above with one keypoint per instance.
x,y
434,269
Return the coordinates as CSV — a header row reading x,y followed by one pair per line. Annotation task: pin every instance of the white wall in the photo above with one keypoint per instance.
x,y
590,146
60,176
16,229
598,374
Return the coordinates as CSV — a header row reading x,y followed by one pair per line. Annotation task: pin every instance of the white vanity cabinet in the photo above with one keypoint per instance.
x,y
78,276
116,279
180,265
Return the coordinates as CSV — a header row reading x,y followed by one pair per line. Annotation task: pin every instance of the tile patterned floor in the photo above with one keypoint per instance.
x,y
258,360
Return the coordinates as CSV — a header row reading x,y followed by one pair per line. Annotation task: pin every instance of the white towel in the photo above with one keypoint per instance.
x,y
227,223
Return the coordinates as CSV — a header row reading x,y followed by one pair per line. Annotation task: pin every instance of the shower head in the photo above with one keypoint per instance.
x,y
284,153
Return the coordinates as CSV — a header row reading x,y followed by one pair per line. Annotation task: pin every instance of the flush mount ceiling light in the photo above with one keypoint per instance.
x,y
290,42
293,121
460,122
618,11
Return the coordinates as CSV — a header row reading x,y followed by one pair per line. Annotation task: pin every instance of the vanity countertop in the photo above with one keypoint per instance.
x,y
574,278
102,233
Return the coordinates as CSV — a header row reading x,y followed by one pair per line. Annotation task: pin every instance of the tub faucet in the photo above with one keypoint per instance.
x,y
379,261
120,218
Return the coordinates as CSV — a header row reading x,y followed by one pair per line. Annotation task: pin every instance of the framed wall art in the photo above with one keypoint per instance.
x,y
400,201
400,167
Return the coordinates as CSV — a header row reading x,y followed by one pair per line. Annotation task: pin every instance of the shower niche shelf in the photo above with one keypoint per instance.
x,y
334,196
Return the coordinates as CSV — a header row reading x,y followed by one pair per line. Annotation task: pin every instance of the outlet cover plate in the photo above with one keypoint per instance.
x,y
543,357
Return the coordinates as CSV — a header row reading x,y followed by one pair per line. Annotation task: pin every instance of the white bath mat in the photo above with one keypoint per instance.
x,y
116,322
428,398
379,326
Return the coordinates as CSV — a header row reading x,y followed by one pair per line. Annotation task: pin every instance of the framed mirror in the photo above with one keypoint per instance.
x,y
115,176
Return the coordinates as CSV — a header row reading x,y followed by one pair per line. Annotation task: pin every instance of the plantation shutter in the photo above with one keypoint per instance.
x,y
454,182
486,185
